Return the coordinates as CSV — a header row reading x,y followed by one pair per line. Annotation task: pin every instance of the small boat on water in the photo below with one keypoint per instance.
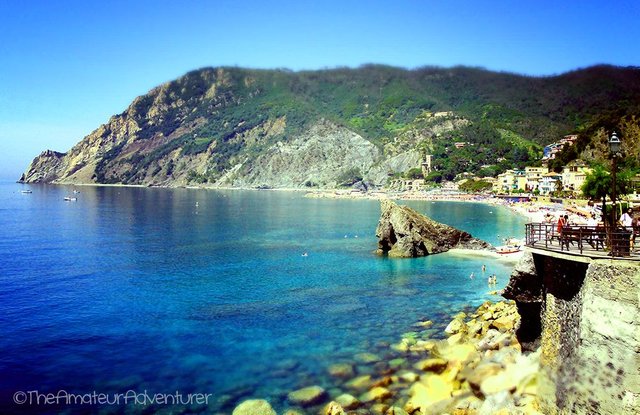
x,y
26,191
511,247
76,191
70,199
506,249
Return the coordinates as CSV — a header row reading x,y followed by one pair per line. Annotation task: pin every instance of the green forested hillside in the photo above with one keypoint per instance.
x,y
503,118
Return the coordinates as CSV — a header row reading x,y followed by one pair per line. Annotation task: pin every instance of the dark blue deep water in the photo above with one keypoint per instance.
x,y
208,291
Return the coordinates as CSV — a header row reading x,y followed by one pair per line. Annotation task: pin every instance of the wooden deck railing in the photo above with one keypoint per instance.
x,y
598,239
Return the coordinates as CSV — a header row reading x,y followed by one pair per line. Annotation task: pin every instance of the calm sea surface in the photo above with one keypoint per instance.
x,y
208,291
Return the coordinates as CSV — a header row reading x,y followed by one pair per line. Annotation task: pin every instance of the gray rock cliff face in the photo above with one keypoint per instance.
x,y
44,168
213,128
404,233
320,156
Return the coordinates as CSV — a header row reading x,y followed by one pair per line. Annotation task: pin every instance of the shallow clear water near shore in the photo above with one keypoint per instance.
x,y
209,291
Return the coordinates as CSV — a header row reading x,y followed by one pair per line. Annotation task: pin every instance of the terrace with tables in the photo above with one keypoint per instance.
x,y
585,241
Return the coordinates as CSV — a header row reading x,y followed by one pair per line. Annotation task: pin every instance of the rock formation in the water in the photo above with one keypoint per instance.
x,y
404,233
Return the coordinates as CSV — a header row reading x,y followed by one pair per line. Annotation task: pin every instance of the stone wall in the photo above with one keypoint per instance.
x,y
589,326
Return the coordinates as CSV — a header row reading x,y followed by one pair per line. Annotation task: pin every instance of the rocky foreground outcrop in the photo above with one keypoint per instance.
x,y
477,369
404,233
584,316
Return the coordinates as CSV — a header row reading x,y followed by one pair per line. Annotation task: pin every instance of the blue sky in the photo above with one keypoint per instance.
x,y
67,66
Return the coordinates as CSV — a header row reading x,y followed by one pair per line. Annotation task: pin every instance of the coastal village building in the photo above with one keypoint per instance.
x,y
412,185
510,180
531,179
521,179
574,175
427,165
533,176
550,151
503,182
549,183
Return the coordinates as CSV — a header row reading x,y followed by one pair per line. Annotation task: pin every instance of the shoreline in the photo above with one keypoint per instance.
x,y
530,210
473,365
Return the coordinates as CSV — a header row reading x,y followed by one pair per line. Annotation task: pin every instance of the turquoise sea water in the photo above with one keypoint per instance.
x,y
200,291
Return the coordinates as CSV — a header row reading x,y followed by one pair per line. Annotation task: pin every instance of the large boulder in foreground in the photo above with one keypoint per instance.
x,y
404,233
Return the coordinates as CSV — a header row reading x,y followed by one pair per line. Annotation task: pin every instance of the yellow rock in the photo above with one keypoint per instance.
x,y
499,382
451,373
474,327
308,396
435,364
430,389
385,381
528,385
359,383
379,409
409,377
482,372
254,407
458,352
454,327
455,339
504,323
348,401
403,346
333,408
397,363
341,370
425,324
378,394
396,410
426,345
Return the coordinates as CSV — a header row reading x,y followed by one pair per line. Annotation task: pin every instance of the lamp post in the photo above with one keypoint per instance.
x,y
614,147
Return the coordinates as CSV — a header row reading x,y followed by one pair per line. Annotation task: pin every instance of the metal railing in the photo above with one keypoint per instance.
x,y
616,242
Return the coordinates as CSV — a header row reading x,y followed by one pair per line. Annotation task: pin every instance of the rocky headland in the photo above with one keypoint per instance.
x,y
357,128
404,233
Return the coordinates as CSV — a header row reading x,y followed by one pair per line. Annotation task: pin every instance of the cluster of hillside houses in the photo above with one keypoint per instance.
x,y
550,151
540,179
531,179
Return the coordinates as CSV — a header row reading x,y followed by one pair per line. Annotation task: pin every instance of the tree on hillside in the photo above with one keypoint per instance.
x,y
475,186
598,185
414,173
599,148
630,137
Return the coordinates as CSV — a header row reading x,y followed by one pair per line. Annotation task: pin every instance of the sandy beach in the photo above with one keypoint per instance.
x,y
534,210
